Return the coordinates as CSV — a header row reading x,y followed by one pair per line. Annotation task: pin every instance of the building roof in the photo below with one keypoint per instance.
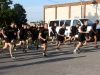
x,y
72,4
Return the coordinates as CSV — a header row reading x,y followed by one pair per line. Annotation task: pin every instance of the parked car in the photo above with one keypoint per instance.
x,y
71,22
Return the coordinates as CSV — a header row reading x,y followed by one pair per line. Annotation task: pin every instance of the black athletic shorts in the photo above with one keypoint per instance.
x,y
34,38
22,38
31,35
1,36
60,38
72,34
7,40
91,34
51,34
43,41
81,37
13,37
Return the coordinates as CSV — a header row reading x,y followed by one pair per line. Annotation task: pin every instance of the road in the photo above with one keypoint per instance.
x,y
62,62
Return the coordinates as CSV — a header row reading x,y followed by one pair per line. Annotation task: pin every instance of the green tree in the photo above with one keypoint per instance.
x,y
4,12
19,14
41,21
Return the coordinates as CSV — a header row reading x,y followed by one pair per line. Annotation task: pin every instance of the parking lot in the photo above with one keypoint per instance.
x,y
62,62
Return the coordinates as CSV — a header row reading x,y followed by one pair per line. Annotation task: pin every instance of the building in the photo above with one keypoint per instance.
x,y
90,9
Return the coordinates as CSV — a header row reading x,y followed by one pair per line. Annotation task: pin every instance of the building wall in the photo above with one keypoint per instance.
x,y
93,12
49,14
76,11
62,12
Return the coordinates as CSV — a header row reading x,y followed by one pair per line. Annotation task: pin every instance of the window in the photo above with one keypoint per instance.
x,y
67,23
75,22
52,23
61,22
89,22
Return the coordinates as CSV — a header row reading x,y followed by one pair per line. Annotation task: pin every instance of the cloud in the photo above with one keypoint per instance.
x,y
34,13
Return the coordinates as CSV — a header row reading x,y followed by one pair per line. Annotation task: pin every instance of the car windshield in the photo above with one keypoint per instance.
x,y
89,22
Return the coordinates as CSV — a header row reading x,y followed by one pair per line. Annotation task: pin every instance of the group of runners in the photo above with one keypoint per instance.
x,y
12,33
40,33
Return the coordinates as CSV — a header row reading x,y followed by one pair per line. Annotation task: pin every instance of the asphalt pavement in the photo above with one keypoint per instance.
x,y
63,62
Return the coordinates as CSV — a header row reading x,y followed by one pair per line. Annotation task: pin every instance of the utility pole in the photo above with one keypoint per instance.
x,y
81,9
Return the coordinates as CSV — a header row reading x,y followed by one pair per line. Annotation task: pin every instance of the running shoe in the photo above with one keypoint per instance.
x,y
13,57
65,43
75,45
24,51
75,52
96,47
51,42
58,49
45,55
30,46
14,49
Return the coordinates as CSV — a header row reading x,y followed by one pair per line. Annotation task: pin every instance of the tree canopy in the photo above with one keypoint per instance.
x,y
17,13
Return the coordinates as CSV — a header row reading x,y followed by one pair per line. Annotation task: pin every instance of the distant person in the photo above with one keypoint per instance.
x,y
36,37
73,31
53,32
42,26
15,37
28,34
33,29
22,37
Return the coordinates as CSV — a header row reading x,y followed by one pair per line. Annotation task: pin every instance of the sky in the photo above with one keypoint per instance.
x,y
34,8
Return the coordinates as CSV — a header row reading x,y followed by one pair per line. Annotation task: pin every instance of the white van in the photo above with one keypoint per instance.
x,y
69,23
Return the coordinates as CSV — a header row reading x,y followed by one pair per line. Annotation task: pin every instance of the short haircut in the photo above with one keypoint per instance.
x,y
13,22
85,20
46,23
97,21
77,24
28,25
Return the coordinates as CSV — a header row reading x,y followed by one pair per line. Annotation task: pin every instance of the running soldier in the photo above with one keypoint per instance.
x,y
81,37
42,35
61,37
93,33
8,32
